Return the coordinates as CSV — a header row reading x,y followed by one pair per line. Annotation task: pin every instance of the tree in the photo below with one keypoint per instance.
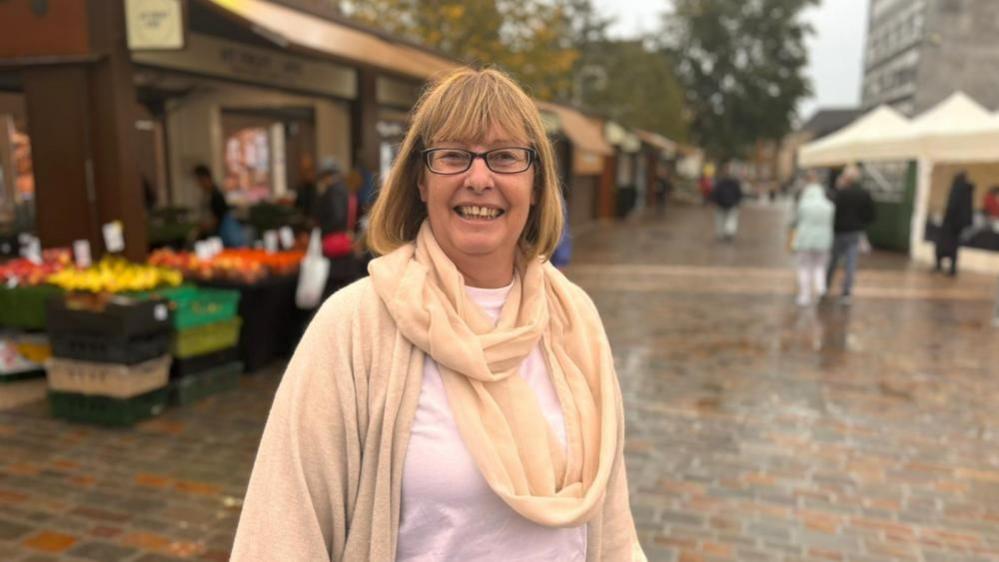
x,y
531,39
640,90
741,65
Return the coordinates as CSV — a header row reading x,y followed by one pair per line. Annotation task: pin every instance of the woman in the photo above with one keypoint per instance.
x,y
460,403
813,238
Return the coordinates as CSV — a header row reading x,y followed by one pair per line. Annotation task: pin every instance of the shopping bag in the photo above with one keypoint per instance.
x,y
337,245
312,274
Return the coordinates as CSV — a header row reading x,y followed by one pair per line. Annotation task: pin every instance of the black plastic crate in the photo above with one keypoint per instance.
x,y
121,317
103,410
192,388
202,363
123,350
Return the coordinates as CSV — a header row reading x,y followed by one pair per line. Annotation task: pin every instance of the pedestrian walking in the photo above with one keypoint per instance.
x,y
460,403
727,195
958,216
854,213
812,239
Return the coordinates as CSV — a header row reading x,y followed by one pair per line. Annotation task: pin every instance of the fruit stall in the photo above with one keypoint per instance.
x,y
117,342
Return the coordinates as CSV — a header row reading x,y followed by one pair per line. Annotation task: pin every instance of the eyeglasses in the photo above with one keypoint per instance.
x,y
451,161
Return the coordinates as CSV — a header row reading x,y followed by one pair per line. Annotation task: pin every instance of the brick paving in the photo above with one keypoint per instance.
x,y
756,430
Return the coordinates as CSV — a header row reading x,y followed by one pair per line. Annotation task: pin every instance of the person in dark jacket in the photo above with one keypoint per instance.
x,y
332,198
727,195
957,218
854,213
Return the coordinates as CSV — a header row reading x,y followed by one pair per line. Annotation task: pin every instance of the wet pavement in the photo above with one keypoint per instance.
x,y
757,430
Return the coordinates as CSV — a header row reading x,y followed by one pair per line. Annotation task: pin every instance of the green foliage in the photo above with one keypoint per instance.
x,y
641,89
741,64
548,45
531,39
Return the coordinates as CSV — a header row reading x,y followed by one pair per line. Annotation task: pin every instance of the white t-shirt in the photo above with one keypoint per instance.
x,y
449,513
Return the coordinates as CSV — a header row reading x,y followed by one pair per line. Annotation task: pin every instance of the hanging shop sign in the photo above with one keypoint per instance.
x,y
228,59
395,92
154,24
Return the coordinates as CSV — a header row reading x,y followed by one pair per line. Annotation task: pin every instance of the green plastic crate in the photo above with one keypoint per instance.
x,y
103,410
195,306
206,339
192,388
24,307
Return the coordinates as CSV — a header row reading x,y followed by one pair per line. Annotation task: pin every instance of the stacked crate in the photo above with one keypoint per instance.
x,y
206,332
110,362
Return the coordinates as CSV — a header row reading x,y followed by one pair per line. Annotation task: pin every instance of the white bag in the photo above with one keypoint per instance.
x,y
312,274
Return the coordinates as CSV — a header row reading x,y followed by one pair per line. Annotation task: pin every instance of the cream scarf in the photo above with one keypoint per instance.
x,y
496,412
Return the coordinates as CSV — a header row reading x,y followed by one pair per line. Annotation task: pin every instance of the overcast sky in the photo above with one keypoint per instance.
x,y
836,50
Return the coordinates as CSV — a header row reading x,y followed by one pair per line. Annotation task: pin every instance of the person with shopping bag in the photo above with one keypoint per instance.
x,y
460,403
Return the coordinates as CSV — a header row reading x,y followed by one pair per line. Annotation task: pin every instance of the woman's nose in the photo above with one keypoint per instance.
x,y
479,176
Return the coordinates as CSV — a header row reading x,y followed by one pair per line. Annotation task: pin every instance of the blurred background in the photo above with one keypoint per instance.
x,y
164,162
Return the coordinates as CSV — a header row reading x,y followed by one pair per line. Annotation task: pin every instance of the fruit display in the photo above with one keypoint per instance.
x,y
22,271
243,265
115,275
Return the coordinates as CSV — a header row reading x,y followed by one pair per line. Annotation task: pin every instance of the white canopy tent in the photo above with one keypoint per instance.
x,y
851,143
956,131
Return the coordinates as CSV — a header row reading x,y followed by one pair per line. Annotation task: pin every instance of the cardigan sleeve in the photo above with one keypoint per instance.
x,y
304,480
618,537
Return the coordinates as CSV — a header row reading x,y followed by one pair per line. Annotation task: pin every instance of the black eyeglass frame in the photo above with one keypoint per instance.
x,y
532,159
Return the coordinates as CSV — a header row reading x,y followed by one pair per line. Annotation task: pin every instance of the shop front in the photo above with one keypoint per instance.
x,y
581,151
626,190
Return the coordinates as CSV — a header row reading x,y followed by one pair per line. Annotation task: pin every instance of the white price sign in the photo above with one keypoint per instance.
x,y
270,241
114,240
287,237
203,250
81,253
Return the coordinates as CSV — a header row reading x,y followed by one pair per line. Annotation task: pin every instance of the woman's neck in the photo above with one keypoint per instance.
x,y
485,272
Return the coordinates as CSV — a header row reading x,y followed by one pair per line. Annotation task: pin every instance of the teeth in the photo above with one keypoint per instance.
x,y
479,212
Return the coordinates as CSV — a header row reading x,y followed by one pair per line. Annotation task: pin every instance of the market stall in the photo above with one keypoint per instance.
x,y
957,135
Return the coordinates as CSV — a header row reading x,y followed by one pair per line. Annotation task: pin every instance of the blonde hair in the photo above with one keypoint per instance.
x,y
462,107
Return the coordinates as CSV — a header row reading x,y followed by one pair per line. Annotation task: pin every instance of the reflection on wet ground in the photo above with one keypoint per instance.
x,y
757,430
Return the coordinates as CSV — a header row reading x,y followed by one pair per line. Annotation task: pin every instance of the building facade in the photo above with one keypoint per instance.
x,y
919,52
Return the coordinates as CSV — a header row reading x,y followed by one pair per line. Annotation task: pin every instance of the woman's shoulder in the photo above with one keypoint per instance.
x,y
356,302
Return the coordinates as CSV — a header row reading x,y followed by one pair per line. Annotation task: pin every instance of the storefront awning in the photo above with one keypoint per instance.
x,y
584,132
287,26
658,141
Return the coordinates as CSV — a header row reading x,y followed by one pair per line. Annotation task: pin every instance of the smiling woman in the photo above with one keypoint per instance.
x,y
460,403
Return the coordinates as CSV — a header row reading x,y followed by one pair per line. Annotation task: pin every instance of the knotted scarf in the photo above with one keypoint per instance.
x,y
496,412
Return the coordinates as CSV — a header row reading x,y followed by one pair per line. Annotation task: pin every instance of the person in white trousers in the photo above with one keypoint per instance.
x,y
813,238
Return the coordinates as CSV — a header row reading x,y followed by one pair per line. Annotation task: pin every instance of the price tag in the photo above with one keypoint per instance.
x,y
203,250
287,237
114,240
270,241
215,245
31,249
81,253
160,312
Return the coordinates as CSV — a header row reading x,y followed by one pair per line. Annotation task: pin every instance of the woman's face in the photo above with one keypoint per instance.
x,y
477,216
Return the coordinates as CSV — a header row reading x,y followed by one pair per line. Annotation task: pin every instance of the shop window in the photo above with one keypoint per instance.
x,y
248,162
17,179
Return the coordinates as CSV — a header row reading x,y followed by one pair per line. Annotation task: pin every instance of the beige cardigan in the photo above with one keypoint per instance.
x,y
326,485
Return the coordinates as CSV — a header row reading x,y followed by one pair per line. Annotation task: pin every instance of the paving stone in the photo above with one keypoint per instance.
x,y
11,530
757,430
102,551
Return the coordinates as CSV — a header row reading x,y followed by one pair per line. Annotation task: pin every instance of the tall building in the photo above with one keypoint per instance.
x,y
921,51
